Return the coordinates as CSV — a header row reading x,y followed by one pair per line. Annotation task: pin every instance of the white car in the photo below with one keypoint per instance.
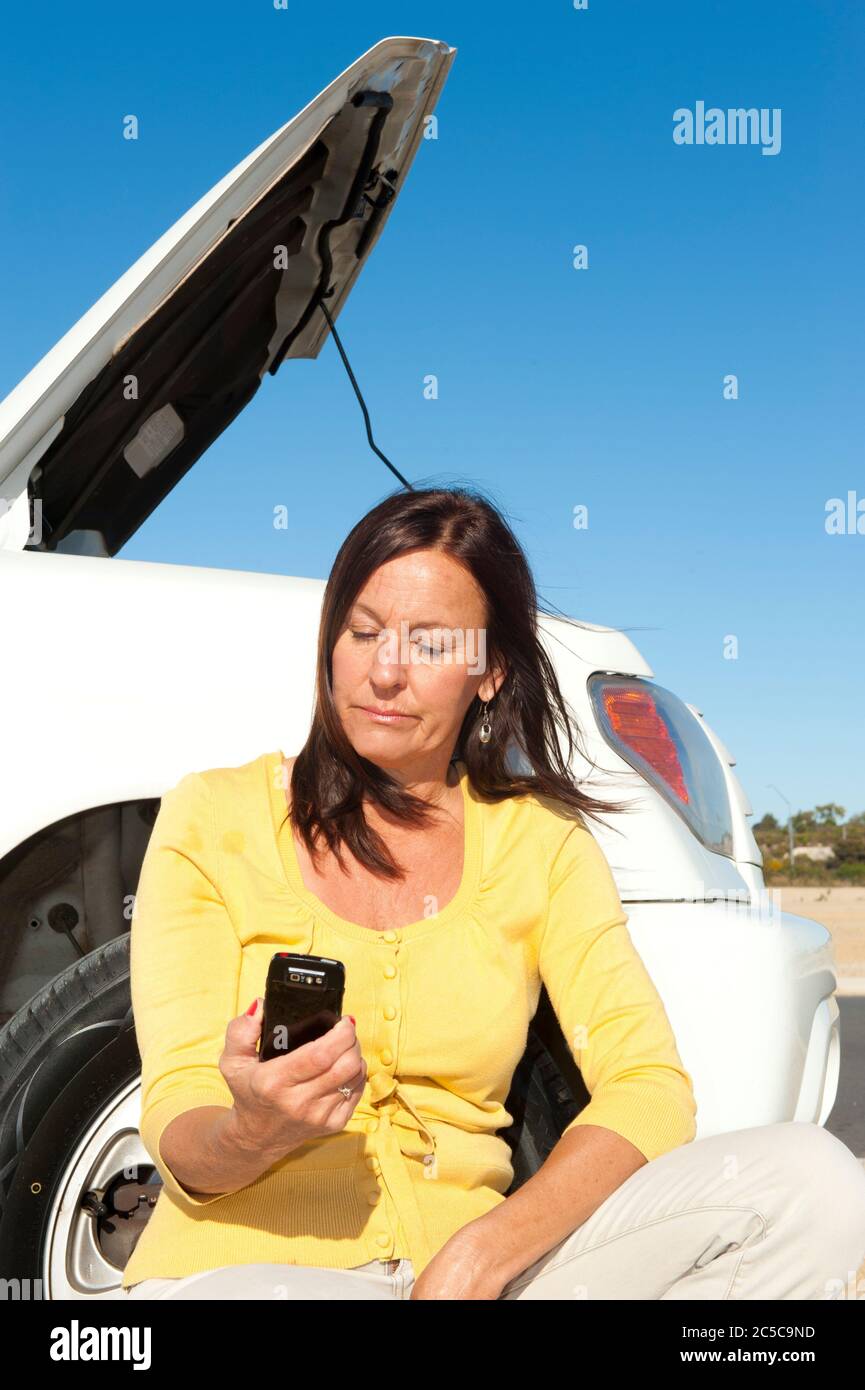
x,y
107,702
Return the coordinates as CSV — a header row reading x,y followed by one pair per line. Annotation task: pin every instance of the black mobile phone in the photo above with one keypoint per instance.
x,y
302,1000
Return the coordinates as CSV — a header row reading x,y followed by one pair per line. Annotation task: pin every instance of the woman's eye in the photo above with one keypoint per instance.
x,y
371,636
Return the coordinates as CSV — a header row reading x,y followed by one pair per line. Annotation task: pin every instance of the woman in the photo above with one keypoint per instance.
x,y
368,1163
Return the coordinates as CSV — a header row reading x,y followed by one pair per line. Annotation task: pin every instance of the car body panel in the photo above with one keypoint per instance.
x,y
125,403
183,716
749,991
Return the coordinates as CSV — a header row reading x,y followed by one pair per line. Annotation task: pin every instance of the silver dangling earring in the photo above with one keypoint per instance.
x,y
486,728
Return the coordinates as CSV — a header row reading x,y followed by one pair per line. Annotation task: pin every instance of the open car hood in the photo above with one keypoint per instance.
x,y
113,416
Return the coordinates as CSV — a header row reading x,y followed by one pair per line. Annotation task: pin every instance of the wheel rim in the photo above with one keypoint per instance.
x,y
74,1266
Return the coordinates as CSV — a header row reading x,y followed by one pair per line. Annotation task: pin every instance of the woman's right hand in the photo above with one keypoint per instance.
x,y
281,1103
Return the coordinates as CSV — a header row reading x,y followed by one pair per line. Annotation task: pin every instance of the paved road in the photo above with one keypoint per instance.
x,y
847,1119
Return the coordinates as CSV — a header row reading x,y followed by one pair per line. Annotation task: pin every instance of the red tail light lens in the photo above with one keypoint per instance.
x,y
635,720
654,731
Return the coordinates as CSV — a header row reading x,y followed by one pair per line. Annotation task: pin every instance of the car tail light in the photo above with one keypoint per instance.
x,y
654,731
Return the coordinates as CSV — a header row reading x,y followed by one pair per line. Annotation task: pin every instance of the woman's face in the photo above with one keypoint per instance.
x,y
414,642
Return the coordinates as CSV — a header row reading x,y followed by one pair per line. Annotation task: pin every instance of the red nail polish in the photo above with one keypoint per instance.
x,y
351,1016
253,1006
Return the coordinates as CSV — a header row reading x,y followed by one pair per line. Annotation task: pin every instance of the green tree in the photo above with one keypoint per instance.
x,y
850,851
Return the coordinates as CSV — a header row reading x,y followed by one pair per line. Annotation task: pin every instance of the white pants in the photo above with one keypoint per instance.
x,y
773,1212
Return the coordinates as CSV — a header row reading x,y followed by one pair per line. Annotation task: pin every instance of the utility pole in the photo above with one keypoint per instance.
x,y
789,820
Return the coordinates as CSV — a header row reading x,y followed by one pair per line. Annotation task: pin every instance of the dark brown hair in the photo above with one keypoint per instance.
x,y
330,780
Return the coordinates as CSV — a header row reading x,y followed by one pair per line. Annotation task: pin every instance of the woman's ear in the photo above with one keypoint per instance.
x,y
489,688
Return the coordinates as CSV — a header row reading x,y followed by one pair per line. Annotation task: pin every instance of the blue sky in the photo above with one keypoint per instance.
x,y
557,387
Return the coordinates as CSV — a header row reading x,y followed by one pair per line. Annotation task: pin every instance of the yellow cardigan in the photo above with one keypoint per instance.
x,y
442,1006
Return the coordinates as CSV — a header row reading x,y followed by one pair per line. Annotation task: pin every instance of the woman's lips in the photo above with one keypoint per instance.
x,y
379,718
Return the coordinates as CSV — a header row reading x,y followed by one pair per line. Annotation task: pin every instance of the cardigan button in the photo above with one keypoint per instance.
x,y
383,1239
386,1056
389,972
373,1197
390,936
389,1011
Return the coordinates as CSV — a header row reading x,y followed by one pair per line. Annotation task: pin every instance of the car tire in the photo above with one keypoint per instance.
x,y
65,1057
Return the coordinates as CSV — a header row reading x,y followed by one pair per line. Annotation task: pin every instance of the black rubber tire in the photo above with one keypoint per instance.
x,y
79,1027
542,1104
53,1036
25,1227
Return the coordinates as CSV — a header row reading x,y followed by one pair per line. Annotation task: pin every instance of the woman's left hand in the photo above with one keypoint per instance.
x,y
461,1269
